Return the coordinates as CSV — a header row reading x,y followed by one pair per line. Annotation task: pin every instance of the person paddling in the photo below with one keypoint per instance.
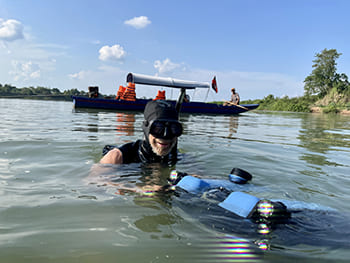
x,y
235,99
161,128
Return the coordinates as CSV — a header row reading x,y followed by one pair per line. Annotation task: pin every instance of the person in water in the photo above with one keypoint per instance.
x,y
235,99
161,128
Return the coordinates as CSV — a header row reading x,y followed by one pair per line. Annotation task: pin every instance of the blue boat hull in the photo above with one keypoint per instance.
x,y
139,105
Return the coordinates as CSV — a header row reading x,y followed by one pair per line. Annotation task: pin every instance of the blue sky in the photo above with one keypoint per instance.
x,y
258,47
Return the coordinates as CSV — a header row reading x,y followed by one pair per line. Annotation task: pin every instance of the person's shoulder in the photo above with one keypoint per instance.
x,y
131,145
113,156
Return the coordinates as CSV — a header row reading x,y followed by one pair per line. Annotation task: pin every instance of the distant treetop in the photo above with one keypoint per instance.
x,y
324,76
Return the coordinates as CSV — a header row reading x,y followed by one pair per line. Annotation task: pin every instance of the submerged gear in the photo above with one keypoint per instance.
x,y
175,177
267,211
239,203
239,176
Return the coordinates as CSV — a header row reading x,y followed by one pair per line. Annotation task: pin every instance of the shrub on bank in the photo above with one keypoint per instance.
x,y
297,104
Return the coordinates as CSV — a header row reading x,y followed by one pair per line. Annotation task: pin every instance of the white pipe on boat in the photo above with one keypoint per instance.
x,y
166,82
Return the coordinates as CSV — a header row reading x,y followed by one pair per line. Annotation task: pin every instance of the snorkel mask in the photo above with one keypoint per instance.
x,y
161,120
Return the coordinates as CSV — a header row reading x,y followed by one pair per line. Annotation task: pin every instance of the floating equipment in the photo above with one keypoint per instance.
x,y
160,95
93,92
120,92
239,176
196,185
129,94
193,185
239,203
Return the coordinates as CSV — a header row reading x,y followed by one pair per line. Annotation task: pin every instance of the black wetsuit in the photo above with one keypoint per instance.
x,y
141,151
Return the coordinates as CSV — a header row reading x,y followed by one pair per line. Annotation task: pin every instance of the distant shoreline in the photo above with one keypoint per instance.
x,y
38,97
313,109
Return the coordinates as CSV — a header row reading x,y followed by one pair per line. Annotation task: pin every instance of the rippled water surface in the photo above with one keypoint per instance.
x,y
52,211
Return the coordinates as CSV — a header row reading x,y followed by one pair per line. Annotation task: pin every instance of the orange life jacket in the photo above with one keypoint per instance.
x,y
120,92
129,94
160,95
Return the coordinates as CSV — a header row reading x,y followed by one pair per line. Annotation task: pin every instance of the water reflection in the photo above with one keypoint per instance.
x,y
233,126
93,122
125,123
143,184
312,139
227,249
87,123
159,224
210,126
321,134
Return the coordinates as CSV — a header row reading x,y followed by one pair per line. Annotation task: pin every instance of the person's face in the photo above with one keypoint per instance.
x,y
161,147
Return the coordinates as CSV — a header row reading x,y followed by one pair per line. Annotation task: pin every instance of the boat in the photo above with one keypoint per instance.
x,y
139,104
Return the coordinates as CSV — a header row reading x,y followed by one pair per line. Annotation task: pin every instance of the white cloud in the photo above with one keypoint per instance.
x,y
138,22
166,66
78,76
25,70
10,30
115,52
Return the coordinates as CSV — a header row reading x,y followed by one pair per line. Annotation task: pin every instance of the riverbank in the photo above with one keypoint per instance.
x,y
334,102
320,110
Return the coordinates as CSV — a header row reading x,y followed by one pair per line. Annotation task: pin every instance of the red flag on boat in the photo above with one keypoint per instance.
x,y
213,84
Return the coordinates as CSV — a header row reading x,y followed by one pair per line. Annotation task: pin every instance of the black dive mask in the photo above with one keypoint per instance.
x,y
163,129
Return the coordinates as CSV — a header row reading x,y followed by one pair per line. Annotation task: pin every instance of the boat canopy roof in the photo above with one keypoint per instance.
x,y
166,82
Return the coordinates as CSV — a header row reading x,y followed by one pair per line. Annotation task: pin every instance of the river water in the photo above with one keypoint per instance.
x,y
52,211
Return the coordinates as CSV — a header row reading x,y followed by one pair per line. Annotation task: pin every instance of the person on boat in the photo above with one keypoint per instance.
x,y
235,99
161,129
187,98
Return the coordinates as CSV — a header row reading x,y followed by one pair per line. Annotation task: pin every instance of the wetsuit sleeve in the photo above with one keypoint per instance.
x,y
130,152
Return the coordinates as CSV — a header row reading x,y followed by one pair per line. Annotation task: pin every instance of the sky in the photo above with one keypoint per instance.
x,y
257,47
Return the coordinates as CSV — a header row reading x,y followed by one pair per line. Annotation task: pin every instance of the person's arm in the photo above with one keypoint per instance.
x,y
114,156
232,98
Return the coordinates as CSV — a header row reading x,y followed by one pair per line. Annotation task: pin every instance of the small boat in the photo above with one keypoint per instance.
x,y
139,104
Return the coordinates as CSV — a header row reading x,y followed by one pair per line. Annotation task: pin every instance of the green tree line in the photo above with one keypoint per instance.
x,y
324,88
9,90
